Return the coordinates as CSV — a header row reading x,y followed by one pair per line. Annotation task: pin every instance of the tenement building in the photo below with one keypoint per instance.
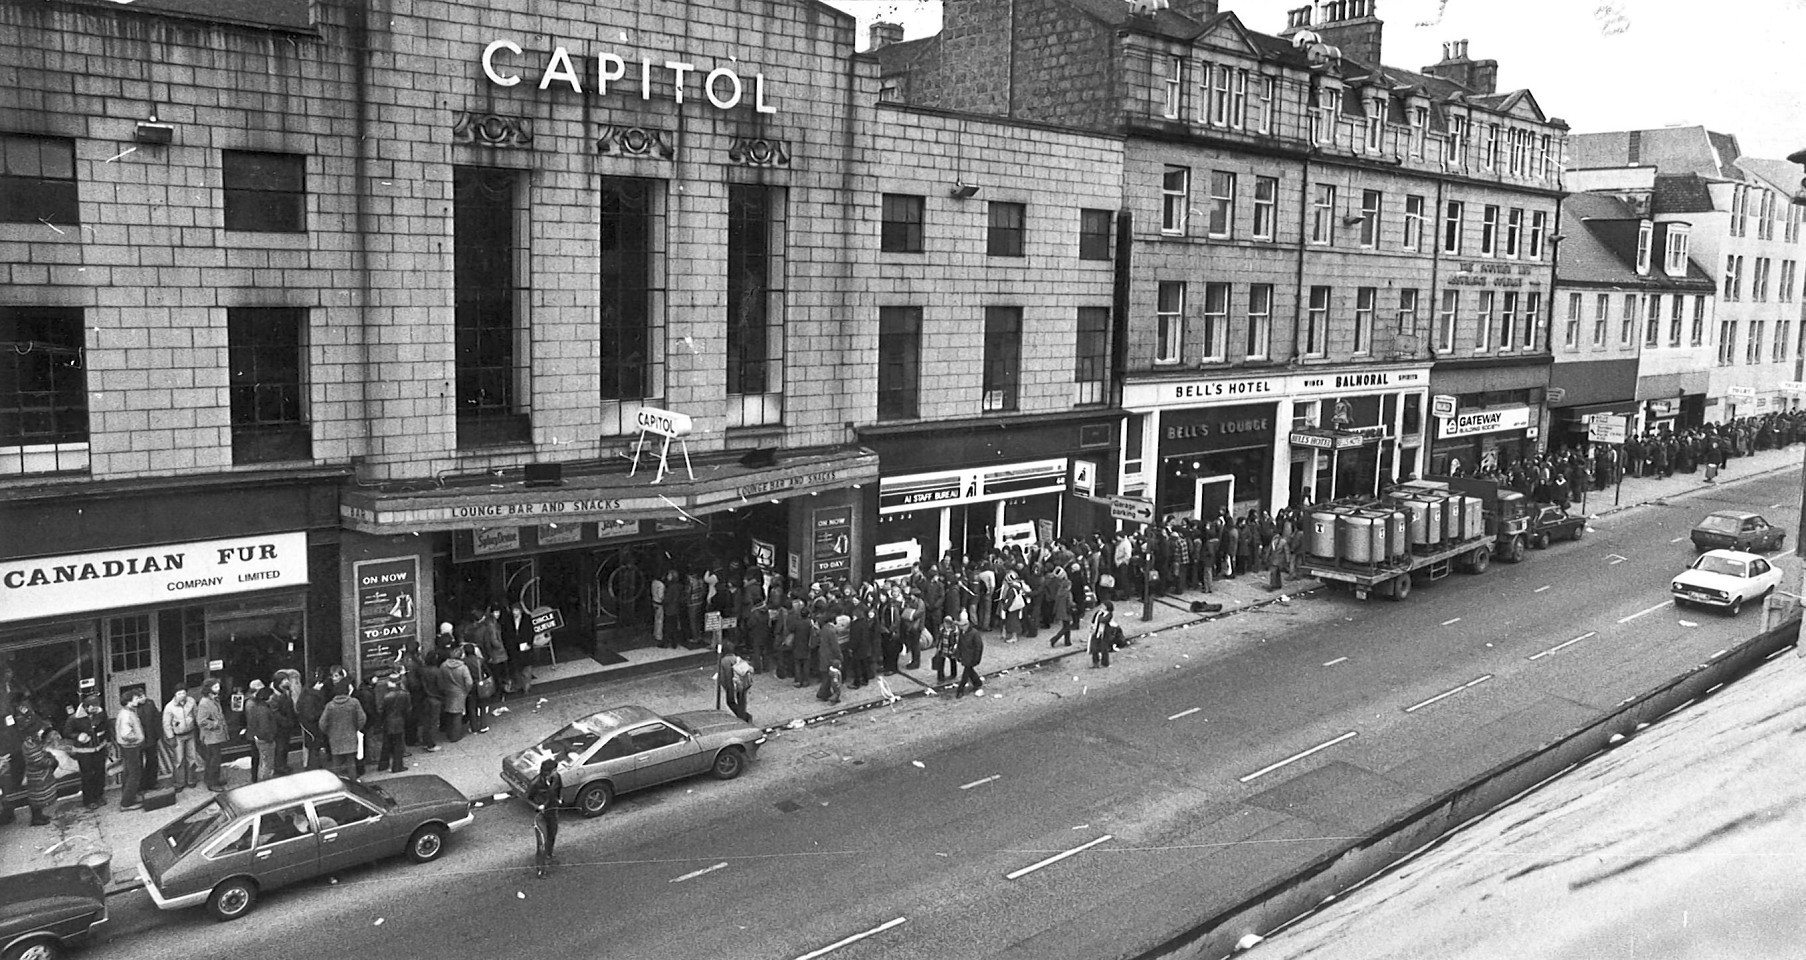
x,y
1633,320
1743,217
324,325
1310,243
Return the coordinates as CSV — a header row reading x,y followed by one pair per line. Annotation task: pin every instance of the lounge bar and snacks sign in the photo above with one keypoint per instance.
x,y
146,576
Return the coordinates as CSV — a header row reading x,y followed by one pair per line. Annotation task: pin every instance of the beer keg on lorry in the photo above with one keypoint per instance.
x,y
1321,541
1355,537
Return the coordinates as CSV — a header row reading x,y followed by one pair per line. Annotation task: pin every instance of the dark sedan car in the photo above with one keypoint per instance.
x,y
1551,522
1738,530
45,912
258,837
630,748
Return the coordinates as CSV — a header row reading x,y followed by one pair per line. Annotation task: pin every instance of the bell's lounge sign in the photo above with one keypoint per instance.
x,y
722,86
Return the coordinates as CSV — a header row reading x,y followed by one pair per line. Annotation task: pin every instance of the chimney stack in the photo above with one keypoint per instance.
x,y
885,34
1352,25
1480,76
1199,10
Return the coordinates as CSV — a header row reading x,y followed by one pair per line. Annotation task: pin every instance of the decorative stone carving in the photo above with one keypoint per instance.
x,y
492,130
760,152
635,142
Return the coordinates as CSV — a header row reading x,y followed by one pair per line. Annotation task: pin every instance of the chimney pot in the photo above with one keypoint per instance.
x,y
884,34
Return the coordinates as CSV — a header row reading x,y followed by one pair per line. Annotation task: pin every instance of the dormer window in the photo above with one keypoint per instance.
x,y
1645,237
1323,120
1420,122
1459,128
1376,122
1675,264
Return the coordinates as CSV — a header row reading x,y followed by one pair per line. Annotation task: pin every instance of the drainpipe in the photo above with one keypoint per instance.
x,y
358,27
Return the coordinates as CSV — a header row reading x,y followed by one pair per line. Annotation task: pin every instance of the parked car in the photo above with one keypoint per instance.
x,y
623,749
249,840
1551,522
1725,579
44,913
1737,530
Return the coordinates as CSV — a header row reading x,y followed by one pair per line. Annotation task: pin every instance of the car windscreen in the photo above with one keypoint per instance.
x,y
570,744
183,834
1722,565
1719,525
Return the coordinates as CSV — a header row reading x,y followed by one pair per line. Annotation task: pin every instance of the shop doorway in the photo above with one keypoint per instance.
x,y
620,600
133,660
1213,495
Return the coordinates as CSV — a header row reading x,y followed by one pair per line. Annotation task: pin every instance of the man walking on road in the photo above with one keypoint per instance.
x,y
545,794
971,651
735,680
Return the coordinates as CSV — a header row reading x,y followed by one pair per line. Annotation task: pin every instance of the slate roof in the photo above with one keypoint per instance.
x,y
900,56
1780,174
1681,193
1594,253
1671,150
1166,23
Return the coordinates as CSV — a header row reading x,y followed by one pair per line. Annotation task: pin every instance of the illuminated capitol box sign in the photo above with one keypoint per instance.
x,y
722,86
174,573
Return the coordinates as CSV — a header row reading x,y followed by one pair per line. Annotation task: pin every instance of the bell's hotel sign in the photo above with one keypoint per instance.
x,y
147,576
722,87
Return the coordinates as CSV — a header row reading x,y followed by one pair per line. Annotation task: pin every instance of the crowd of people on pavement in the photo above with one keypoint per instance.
x,y
1561,475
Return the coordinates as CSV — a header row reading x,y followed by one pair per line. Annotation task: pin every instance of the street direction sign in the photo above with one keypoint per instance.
x,y
1607,428
1132,510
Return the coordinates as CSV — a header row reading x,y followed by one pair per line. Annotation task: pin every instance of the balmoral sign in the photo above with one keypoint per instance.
x,y
1197,393
722,86
175,573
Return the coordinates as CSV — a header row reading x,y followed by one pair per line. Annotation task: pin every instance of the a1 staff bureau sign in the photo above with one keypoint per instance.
x,y
144,576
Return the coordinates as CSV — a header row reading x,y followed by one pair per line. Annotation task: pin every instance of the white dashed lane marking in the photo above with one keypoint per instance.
x,y
697,873
1297,757
980,783
1335,661
1540,589
1447,622
1539,656
855,938
1448,693
1677,539
1184,713
1056,858
1639,613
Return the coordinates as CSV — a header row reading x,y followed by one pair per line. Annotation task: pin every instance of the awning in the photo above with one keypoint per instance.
x,y
1575,413
610,496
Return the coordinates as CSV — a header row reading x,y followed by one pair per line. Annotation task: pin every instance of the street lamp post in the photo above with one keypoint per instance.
x,y
1799,540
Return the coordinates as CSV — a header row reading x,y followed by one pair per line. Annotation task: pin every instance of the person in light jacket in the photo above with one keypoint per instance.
x,y
177,744
128,732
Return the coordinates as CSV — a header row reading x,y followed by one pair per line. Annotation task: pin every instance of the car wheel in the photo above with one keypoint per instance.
x,y
1780,541
1736,607
232,899
427,843
36,950
1540,541
1480,560
1580,531
595,798
730,762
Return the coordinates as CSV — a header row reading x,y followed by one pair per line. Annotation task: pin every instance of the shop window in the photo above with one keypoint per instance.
x,y
266,351
252,639
755,305
1091,356
1094,234
901,229
1003,358
265,192
1007,224
130,644
1413,419
631,332
47,668
37,180
899,362
489,355
43,391
1132,443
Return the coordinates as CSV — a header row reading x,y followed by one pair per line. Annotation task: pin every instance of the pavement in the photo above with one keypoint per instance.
x,y
472,764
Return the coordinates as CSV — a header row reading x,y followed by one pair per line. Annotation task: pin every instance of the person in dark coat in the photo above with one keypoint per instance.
x,y
394,709
517,638
830,654
369,695
1059,589
308,706
546,796
261,727
971,652
151,716
88,732
432,700
861,635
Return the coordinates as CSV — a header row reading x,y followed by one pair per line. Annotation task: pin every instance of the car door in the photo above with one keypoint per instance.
x,y
662,753
609,759
351,832
286,849
1764,576
230,855
1749,536
1769,533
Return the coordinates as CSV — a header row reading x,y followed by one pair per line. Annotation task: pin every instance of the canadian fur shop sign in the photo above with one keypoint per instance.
x,y
678,80
146,576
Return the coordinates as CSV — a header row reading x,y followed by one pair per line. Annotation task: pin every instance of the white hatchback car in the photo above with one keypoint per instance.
x,y
1726,579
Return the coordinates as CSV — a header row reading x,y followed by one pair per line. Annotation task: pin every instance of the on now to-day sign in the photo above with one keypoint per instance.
x,y
388,610
144,576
